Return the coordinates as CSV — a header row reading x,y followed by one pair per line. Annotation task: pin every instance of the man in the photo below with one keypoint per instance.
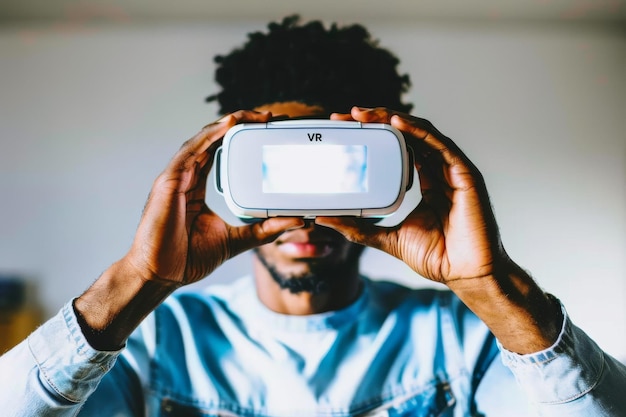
x,y
307,335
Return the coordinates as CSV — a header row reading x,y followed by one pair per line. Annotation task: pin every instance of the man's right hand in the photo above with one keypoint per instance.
x,y
179,241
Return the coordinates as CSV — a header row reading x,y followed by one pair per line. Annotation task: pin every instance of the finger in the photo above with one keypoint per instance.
x,y
457,171
384,115
428,181
361,231
427,160
183,170
431,170
279,117
193,150
196,195
341,116
420,129
197,190
417,127
374,115
426,134
247,237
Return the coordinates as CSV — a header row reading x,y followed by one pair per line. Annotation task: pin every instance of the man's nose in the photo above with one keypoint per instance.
x,y
309,224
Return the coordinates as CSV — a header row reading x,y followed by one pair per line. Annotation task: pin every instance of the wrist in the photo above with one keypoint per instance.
x,y
116,303
523,317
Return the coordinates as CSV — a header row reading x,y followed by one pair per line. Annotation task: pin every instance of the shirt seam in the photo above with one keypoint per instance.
x,y
583,392
80,347
48,380
364,406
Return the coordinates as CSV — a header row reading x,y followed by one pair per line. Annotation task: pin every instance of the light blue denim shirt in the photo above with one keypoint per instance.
x,y
393,352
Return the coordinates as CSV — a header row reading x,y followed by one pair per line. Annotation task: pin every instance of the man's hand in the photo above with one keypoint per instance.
x,y
179,241
452,237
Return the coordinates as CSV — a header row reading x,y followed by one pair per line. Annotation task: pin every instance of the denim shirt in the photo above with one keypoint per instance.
x,y
393,352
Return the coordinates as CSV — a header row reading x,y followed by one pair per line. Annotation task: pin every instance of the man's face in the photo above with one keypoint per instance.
x,y
312,258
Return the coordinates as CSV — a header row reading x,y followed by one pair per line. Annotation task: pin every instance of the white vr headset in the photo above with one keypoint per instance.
x,y
310,168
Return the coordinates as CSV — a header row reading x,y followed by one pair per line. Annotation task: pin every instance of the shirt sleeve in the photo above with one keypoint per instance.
x,y
574,377
53,371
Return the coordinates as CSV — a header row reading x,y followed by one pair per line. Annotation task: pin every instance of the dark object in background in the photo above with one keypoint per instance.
x,y
12,293
18,317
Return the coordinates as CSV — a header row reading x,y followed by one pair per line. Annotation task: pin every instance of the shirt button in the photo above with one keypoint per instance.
x,y
166,406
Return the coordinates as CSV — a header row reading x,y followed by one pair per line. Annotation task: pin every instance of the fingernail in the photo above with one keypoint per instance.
x,y
223,119
299,226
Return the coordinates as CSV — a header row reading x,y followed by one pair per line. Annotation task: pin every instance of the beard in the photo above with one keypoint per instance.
x,y
320,277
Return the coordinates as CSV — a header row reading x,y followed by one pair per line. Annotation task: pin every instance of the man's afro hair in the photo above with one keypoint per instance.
x,y
334,68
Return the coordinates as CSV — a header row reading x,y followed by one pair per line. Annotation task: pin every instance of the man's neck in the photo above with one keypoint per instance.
x,y
305,303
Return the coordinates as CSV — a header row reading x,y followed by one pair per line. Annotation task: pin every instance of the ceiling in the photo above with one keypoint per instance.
x,y
121,11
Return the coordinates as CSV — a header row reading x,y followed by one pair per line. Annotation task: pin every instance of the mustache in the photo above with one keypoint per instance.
x,y
315,234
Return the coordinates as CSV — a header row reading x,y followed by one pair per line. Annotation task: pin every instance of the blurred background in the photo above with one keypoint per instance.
x,y
95,97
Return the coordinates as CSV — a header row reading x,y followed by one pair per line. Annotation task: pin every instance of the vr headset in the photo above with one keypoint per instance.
x,y
309,168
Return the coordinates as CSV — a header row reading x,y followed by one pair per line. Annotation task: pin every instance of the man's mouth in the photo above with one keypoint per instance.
x,y
305,249
317,243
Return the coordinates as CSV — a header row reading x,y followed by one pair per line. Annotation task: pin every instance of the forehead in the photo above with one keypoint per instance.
x,y
291,109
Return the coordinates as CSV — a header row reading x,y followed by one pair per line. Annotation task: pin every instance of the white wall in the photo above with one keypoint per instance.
x,y
90,115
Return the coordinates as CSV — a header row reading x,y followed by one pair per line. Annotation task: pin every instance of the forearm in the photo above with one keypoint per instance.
x,y
523,318
116,303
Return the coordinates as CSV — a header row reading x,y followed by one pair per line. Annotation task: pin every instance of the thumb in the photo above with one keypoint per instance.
x,y
265,231
361,231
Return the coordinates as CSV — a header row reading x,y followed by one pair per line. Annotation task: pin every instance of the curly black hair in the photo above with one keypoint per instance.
x,y
334,68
